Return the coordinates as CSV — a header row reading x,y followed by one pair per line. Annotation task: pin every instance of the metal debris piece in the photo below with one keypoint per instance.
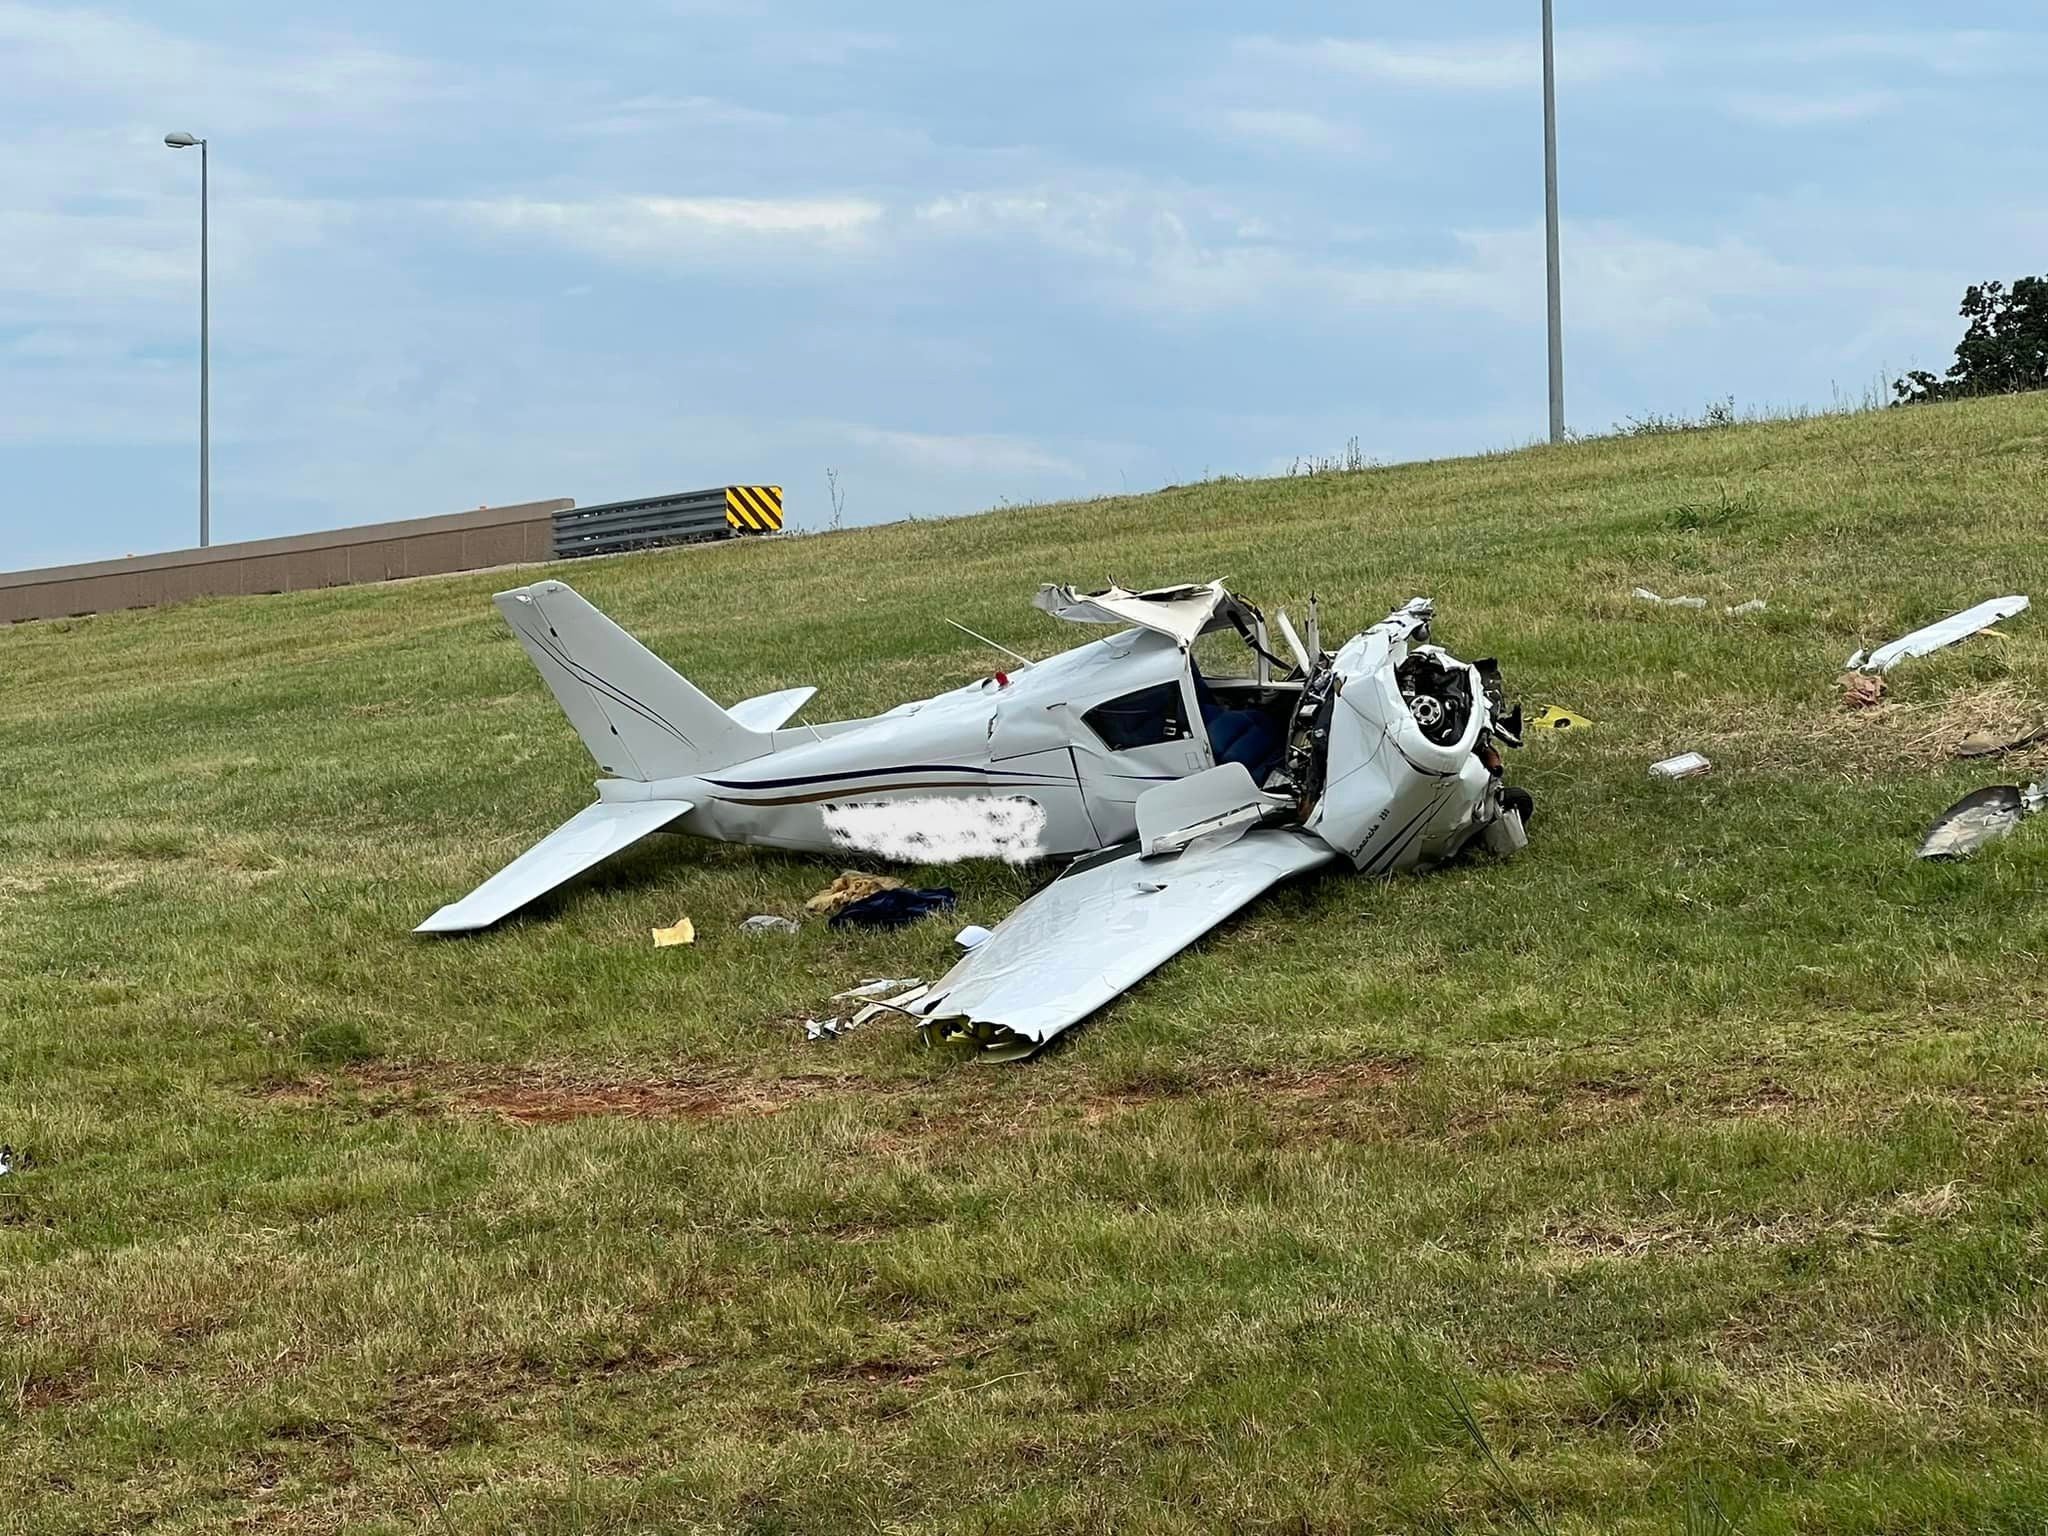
x,y
1646,595
851,886
1551,718
1754,605
1957,626
821,1029
900,1003
876,987
1980,817
1991,743
1860,690
6,1161
1683,766
768,923
970,936
682,932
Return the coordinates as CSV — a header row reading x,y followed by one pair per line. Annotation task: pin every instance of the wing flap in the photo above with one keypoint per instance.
x,y
1098,930
593,834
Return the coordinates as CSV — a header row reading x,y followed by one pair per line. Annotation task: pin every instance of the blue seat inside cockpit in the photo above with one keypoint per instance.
x,y
1245,735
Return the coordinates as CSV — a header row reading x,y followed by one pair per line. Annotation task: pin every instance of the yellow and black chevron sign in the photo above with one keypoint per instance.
x,y
754,508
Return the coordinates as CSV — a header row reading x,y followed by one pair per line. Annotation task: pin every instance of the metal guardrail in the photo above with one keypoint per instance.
x,y
644,524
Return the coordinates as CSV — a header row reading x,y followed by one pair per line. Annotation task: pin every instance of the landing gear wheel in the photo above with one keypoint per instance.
x,y
1521,800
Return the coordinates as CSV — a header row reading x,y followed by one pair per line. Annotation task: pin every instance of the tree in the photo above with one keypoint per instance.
x,y
2004,350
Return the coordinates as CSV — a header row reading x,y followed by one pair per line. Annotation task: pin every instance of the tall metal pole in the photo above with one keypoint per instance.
x,y
205,427
1550,232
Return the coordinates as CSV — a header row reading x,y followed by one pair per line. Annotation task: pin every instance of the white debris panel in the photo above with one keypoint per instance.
x,y
1959,626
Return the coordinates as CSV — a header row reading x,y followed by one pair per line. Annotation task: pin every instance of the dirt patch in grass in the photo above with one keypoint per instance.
x,y
980,1102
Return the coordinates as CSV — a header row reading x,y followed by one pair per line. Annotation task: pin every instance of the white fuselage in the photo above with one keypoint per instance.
x,y
1021,735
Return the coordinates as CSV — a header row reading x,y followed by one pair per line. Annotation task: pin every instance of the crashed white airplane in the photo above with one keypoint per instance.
x,y
1186,796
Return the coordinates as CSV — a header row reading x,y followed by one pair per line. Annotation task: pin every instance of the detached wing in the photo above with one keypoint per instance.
x,y
1098,930
596,832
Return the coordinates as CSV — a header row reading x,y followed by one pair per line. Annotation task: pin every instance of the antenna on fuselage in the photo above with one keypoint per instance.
x,y
1022,661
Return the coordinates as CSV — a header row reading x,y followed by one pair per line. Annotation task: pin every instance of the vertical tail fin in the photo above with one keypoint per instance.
x,y
640,718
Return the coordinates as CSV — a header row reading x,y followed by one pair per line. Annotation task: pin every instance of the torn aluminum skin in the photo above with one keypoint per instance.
x,y
1980,818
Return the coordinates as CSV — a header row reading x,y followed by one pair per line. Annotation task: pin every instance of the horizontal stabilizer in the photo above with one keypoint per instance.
x,y
770,710
593,834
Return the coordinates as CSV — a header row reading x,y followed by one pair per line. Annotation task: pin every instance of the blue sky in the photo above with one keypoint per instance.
x,y
960,254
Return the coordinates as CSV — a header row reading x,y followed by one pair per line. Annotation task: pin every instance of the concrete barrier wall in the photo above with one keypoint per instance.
x,y
424,546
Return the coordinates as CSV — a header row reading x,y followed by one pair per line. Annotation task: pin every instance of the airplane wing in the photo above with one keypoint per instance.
x,y
593,833
1097,930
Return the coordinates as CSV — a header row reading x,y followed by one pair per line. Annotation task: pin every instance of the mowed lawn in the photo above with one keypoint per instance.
x,y
1688,1171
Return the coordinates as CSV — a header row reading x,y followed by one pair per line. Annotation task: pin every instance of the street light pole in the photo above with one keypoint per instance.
x,y
186,141
1556,302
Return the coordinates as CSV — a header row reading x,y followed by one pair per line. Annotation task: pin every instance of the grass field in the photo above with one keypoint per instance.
x,y
1688,1171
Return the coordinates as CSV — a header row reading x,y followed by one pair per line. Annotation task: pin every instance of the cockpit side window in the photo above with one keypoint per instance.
x,y
1223,654
1141,719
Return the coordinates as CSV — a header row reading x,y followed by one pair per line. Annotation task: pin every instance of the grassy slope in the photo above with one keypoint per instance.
x,y
1700,1150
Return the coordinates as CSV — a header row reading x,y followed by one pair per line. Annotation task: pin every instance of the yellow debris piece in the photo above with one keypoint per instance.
x,y
1554,719
684,932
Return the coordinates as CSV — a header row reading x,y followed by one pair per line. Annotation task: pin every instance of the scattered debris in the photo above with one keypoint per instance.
x,y
1683,766
1991,743
1958,626
1861,690
768,923
683,932
6,1161
897,907
1754,605
832,1029
1551,718
881,1005
876,987
1980,817
970,936
851,886
1646,595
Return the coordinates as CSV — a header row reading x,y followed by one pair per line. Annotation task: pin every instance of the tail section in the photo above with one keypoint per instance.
x,y
640,718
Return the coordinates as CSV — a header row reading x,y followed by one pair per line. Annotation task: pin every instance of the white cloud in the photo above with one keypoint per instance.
x,y
1470,64
662,229
973,453
1791,110
672,114
1937,50
81,52
1289,128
